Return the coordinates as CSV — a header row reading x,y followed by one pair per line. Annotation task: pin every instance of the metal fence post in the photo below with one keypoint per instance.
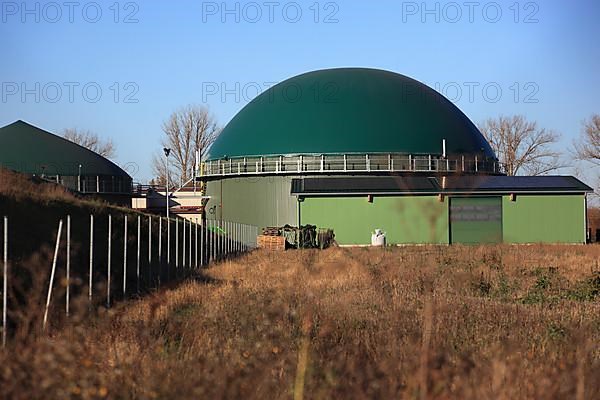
x,y
168,220
196,240
202,244
5,282
51,284
149,251
176,244
190,246
208,243
125,258
68,277
228,236
214,239
220,239
109,261
91,269
139,249
160,261
183,250
168,243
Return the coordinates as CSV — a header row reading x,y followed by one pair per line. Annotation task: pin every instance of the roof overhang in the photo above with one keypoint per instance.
x,y
452,185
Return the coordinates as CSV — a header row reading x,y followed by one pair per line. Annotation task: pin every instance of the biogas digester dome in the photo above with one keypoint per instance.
x,y
349,111
355,149
34,151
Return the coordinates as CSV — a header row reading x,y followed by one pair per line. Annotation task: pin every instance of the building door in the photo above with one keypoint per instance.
x,y
475,220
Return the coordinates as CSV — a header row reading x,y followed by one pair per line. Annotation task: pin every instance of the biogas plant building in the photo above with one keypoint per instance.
x,y
356,149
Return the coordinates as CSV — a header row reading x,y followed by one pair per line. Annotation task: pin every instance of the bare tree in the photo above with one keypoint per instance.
x,y
91,141
159,168
587,147
524,148
187,131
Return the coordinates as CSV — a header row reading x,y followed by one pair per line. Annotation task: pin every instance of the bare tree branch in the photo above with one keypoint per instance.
x,y
91,141
522,146
587,147
187,131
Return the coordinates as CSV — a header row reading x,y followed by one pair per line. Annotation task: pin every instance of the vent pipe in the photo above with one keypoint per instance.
x,y
444,148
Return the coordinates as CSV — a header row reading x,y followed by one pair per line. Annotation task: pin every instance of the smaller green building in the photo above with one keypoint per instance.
x,y
33,151
456,209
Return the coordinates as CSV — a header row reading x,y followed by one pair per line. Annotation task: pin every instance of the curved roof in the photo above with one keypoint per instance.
x,y
349,110
29,149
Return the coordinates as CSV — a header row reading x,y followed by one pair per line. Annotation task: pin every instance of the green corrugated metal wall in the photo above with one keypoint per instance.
x,y
414,219
259,201
544,219
266,201
529,219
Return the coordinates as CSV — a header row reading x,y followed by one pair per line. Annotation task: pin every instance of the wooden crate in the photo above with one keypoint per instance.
x,y
271,242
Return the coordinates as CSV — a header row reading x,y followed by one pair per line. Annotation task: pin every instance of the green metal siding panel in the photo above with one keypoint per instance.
x,y
259,201
410,220
476,220
349,110
544,219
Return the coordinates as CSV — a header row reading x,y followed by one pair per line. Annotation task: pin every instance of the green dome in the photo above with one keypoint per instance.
x,y
349,110
28,149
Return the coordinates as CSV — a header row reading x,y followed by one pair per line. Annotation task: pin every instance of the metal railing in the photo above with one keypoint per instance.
x,y
101,184
349,163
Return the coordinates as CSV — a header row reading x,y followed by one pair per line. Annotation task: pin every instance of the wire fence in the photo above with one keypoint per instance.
x,y
120,256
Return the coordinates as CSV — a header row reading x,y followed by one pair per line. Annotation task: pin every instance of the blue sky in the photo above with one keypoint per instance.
x,y
150,58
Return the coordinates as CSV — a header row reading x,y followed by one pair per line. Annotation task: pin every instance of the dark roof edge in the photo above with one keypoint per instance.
x,y
438,192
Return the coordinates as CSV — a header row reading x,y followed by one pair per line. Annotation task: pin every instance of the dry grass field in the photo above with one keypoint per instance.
x,y
504,322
